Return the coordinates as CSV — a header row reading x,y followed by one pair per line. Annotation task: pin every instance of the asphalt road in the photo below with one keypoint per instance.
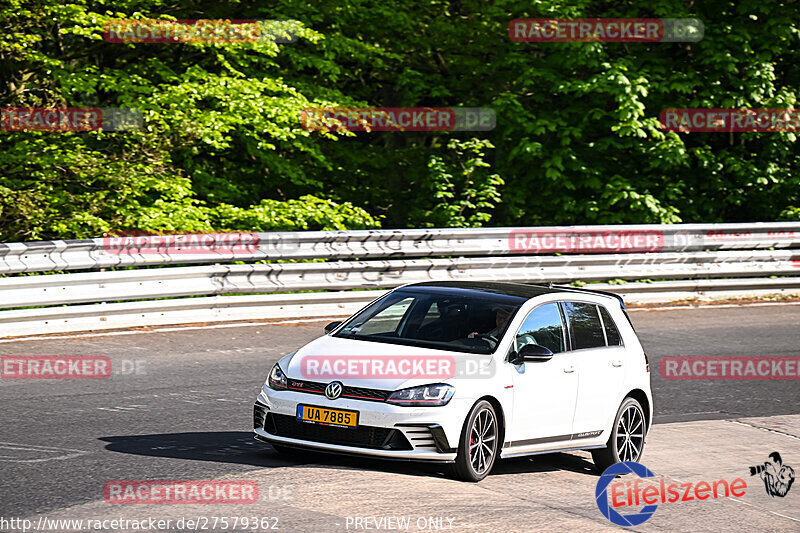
x,y
187,414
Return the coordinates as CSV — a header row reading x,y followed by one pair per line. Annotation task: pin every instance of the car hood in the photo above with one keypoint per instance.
x,y
301,364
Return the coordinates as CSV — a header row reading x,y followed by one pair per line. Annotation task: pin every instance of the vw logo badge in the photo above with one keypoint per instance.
x,y
333,390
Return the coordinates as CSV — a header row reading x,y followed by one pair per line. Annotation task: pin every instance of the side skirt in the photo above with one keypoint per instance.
x,y
509,453
562,443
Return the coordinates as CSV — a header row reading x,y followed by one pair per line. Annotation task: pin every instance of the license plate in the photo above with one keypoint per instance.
x,y
327,417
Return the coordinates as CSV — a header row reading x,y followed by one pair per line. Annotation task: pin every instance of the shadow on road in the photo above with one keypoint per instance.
x,y
236,447
550,462
239,447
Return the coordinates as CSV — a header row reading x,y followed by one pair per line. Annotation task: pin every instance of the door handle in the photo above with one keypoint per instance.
x,y
616,362
569,369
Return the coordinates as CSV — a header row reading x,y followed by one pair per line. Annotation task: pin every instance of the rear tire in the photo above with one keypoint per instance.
x,y
626,442
478,446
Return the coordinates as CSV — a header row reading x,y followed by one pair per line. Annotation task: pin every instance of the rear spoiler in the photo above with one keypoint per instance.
x,y
577,289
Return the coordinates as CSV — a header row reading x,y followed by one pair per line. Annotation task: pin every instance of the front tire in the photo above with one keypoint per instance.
x,y
478,447
626,442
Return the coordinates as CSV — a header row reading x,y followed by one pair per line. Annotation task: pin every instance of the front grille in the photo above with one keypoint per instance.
x,y
366,394
356,393
360,437
259,414
307,386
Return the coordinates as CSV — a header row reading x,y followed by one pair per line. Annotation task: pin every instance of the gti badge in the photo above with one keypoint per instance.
x,y
333,390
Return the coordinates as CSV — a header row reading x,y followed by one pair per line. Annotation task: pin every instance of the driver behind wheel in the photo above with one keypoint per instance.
x,y
501,317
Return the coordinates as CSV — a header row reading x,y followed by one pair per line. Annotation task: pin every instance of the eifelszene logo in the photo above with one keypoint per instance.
x,y
601,494
649,491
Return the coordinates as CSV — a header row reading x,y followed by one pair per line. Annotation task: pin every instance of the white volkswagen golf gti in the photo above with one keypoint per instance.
x,y
464,373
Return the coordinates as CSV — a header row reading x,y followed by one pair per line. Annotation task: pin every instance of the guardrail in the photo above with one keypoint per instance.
x,y
748,253
121,251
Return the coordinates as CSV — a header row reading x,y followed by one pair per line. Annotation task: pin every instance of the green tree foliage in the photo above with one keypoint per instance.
x,y
577,137
460,191
221,147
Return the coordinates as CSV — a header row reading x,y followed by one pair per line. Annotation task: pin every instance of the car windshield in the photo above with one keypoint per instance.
x,y
459,320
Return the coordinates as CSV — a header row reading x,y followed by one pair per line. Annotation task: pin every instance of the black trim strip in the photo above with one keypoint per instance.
x,y
557,438
322,448
440,439
558,450
349,392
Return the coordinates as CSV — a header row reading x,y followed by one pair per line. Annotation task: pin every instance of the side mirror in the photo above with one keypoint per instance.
x,y
332,326
533,353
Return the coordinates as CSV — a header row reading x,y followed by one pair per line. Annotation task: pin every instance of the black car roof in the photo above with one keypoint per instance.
x,y
520,290
511,289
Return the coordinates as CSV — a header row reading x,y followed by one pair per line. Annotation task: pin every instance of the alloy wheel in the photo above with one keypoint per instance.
x,y
630,434
482,437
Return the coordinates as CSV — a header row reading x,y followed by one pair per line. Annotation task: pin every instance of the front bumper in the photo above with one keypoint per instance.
x,y
385,430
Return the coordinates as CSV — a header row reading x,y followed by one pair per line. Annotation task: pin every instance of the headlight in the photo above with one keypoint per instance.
x,y
277,379
424,396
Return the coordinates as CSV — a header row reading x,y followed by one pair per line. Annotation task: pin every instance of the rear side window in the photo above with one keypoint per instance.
x,y
585,325
612,334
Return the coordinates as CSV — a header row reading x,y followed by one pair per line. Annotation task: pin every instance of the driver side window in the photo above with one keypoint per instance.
x,y
543,326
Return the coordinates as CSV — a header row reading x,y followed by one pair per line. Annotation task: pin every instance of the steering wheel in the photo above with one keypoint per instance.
x,y
432,331
484,337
